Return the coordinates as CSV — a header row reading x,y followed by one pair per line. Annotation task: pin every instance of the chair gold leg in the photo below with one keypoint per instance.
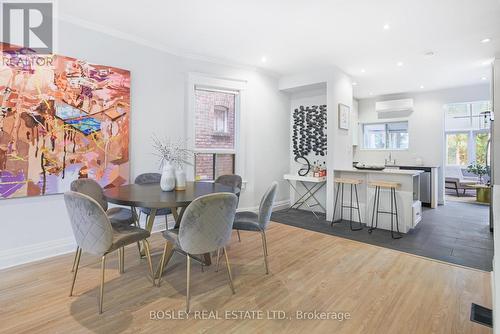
x,y
239,237
74,259
75,271
150,263
121,260
168,251
188,282
101,292
264,247
218,260
229,272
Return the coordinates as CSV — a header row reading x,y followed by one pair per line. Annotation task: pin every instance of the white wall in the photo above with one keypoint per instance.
x,y
425,126
340,149
338,90
34,228
308,97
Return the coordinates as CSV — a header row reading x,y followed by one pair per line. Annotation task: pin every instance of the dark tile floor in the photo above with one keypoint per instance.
x,y
456,232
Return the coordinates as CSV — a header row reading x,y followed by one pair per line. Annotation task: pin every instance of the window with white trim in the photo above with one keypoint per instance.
x,y
385,136
214,132
220,120
467,132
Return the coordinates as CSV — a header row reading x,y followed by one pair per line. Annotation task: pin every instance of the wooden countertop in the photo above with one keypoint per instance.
x,y
385,171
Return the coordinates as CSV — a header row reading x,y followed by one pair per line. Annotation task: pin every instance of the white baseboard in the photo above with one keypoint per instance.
x,y
277,206
35,252
44,250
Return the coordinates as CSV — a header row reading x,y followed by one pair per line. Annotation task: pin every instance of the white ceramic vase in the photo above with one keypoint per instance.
x,y
180,179
167,181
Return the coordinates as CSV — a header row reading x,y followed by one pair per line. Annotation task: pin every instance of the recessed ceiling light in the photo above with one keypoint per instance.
x,y
363,70
485,40
421,86
483,78
354,83
399,63
263,59
387,26
370,93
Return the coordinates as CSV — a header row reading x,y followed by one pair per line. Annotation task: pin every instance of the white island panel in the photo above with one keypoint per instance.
x,y
407,195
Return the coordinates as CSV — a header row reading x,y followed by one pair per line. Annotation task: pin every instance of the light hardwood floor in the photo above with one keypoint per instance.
x,y
384,291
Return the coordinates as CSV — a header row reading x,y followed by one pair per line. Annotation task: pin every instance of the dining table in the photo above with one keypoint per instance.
x,y
153,197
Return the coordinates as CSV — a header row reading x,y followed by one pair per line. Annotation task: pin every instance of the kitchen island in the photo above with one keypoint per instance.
x,y
407,194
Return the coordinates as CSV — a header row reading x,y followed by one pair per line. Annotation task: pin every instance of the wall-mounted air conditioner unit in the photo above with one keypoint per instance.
x,y
394,106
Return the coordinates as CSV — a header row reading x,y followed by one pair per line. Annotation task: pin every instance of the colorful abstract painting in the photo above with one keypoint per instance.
x,y
61,119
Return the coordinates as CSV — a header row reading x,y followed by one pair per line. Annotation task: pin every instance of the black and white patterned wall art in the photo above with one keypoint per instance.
x,y
309,131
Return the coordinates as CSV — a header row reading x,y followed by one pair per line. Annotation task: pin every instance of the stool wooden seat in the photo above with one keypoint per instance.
x,y
347,181
392,186
385,184
353,183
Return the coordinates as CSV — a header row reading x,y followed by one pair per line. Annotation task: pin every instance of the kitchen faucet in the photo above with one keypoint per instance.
x,y
390,161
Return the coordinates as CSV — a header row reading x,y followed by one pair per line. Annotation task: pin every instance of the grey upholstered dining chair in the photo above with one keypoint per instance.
x,y
232,180
117,215
94,234
204,227
251,221
151,178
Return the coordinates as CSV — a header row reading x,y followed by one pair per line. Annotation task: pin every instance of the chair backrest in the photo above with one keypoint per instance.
x,y
266,205
207,223
148,178
231,181
454,172
90,188
91,226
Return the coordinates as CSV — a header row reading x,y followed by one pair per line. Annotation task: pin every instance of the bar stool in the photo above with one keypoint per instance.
x,y
394,207
340,188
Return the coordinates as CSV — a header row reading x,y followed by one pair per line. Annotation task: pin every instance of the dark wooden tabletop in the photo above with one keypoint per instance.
x,y
151,195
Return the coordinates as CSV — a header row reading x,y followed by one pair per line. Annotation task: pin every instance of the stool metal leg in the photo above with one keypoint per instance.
x,y
376,202
357,207
335,204
398,236
340,189
392,215
342,204
350,210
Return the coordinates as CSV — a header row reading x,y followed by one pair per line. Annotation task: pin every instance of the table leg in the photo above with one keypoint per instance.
x,y
312,193
207,258
149,227
308,195
298,201
176,215
137,223
151,220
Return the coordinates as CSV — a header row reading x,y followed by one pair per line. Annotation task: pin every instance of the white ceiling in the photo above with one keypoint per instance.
x,y
301,35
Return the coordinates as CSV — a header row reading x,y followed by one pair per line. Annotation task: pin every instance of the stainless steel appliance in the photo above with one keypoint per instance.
x,y
489,116
425,183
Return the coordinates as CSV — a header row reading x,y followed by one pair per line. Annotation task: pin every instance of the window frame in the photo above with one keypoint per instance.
x,y
225,116
386,148
470,131
471,144
206,82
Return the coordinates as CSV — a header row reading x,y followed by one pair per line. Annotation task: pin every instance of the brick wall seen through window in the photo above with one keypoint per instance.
x,y
214,130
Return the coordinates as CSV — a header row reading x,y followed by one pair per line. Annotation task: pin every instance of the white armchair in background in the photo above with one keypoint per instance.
x,y
455,179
